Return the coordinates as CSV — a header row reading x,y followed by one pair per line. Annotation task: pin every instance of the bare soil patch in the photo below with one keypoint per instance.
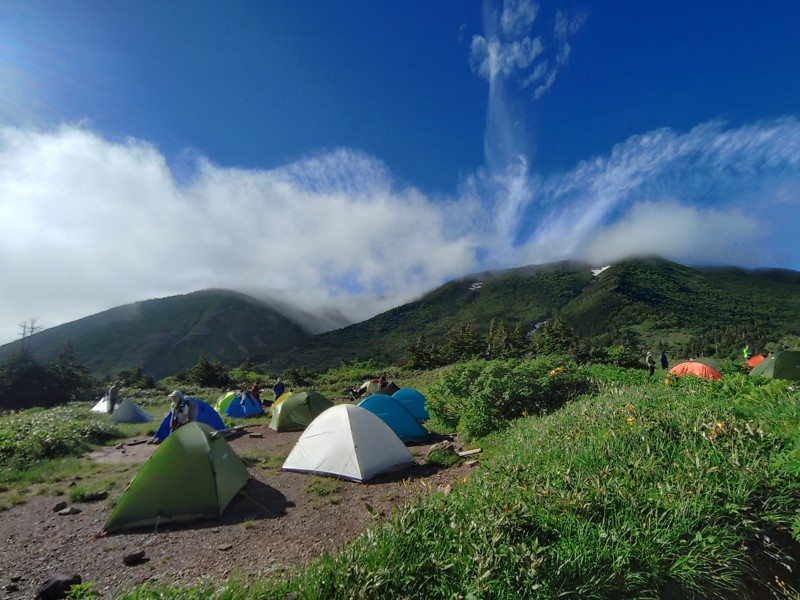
x,y
273,523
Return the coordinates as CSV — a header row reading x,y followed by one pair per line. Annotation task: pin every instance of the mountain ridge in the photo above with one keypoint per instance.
x,y
654,297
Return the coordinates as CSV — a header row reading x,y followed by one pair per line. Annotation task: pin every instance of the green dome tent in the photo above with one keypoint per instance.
x,y
193,474
298,410
781,365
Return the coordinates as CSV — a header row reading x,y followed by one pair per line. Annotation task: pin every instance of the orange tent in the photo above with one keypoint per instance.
x,y
754,360
698,369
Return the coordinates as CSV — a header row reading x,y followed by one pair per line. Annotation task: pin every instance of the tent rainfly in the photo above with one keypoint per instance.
x,y
128,411
414,401
298,410
396,416
781,365
698,369
349,442
194,474
199,411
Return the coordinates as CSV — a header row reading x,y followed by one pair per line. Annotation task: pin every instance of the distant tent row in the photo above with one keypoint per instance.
x,y
195,473
781,365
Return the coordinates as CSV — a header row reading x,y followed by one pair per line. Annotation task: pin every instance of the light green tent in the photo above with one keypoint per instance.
x,y
781,365
224,401
298,410
193,474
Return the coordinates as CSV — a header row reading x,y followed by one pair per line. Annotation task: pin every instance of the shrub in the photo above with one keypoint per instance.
x,y
479,397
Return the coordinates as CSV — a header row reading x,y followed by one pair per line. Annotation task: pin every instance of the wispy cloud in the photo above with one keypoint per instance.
x,y
740,186
509,48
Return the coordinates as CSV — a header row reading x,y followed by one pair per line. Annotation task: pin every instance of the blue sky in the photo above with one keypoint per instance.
x,y
354,155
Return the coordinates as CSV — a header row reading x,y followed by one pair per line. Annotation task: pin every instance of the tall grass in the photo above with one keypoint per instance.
x,y
639,492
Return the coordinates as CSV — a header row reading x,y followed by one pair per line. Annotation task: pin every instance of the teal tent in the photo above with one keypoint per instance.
x,y
396,416
414,403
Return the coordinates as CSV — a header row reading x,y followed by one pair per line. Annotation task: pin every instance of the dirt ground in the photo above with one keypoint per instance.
x,y
272,524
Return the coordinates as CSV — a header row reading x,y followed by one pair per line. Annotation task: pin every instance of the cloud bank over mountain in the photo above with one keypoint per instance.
x,y
89,223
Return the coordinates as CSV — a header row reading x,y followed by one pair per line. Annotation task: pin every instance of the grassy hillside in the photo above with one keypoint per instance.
x,y
527,295
167,335
660,301
635,489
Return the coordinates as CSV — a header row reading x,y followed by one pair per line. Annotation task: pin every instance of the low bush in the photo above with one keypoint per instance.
x,y
37,434
479,397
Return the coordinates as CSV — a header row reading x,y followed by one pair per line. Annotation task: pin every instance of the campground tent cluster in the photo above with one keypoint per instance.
x,y
195,473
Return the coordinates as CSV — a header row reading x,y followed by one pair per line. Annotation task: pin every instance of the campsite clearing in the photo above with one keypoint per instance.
x,y
280,520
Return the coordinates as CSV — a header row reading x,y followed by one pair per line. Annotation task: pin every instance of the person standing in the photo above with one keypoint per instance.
x,y
113,396
651,364
664,361
255,391
278,388
179,410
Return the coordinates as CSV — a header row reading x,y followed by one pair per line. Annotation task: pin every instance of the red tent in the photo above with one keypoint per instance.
x,y
698,369
754,360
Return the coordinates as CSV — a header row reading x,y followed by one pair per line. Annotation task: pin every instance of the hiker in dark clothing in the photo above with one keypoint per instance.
x,y
664,361
278,389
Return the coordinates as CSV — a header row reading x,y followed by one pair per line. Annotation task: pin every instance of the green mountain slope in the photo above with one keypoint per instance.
x,y
658,299
168,335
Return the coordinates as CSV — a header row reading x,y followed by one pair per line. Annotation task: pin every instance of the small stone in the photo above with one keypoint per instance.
x,y
471,463
70,510
134,558
60,506
224,547
15,578
58,586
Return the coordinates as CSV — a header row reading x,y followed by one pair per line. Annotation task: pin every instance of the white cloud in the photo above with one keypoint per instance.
x,y
680,232
517,17
93,223
88,223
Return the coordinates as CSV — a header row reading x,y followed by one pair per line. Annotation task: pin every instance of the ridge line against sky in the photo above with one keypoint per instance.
x,y
150,150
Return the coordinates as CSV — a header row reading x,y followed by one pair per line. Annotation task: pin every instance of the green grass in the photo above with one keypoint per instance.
x,y
640,491
636,490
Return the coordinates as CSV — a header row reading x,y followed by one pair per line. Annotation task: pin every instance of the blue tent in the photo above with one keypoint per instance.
x,y
204,413
243,405
414,403
396,416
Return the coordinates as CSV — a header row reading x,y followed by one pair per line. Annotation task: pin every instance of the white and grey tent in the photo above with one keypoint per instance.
x,y
128,411
350,442
101,406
